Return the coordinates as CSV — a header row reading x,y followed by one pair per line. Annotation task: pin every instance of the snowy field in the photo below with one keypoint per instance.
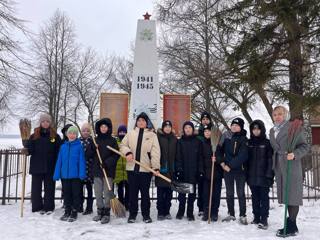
x,y
34,226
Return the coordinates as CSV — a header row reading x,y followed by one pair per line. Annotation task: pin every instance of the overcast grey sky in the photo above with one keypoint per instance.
x,y
108,26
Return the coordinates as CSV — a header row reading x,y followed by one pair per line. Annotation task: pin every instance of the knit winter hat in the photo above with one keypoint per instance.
x,y
122,128
166,123
238,121
45,117
86,126
73,129
189,123
205,115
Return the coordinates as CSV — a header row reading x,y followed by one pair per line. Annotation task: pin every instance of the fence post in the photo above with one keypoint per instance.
x,y
5,169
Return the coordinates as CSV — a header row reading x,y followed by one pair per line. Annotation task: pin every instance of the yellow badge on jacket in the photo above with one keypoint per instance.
x,y
52,140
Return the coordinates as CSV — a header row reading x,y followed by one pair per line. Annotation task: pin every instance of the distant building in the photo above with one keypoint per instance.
x,y
315,128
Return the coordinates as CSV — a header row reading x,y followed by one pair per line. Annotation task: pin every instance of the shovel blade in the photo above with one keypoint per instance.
x,y
181,187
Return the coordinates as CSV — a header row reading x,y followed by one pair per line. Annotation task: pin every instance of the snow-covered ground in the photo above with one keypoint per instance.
x,y
34,226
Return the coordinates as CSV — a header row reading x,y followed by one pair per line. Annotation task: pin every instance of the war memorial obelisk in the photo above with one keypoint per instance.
x,y
145,93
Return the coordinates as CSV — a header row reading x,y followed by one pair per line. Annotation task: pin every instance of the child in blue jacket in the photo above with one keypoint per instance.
x,y
71,169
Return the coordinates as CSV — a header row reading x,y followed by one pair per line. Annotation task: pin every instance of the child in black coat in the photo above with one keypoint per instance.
x,y
259,174
232,154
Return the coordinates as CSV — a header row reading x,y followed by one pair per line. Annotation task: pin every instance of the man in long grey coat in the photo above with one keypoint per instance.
x,y
279,142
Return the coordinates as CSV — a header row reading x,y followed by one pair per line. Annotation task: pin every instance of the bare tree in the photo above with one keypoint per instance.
x,y
123,79
93,74
54,52
9,55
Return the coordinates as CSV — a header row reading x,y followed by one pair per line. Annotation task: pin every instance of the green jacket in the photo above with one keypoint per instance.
x,y
121,173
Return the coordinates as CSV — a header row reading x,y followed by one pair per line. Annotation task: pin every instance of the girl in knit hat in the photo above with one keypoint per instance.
x,y
43,146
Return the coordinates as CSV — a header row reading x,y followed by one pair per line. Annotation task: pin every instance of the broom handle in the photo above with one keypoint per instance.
x,y
142,165
100,160
23,183
211,190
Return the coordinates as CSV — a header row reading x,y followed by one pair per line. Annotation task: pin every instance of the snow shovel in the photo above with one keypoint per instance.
x,y
179,187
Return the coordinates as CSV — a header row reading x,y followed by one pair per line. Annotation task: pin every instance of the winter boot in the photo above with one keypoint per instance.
x,y
131,219
214,217
66,215
147,219
100,213
168,216
256,220
161,217
229,218
292,229
263,224
87,211
243,220
73,216
106,216
205,216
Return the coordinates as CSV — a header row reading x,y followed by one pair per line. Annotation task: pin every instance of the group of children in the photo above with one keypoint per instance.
x,y
189,159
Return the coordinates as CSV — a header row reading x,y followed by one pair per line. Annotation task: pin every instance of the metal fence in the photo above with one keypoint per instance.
x,y
11,174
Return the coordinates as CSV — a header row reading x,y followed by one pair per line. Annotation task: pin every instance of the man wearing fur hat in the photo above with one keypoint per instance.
x,y
43,146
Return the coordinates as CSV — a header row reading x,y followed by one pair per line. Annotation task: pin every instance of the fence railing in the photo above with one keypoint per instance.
x,y
11,164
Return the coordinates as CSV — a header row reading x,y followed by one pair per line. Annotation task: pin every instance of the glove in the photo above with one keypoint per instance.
x,y
178,176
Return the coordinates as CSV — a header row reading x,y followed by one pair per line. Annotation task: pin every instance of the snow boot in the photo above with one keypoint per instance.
x,y
73,216
292,229
229,218
131,219
161,217
147,219
100,212
243,220
106,216
256,220
168,216
66,215
263,224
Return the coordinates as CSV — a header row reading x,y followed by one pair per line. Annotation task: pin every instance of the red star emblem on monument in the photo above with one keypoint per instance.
x,y
146,16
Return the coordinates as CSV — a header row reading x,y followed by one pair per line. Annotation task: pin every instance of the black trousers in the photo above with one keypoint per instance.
x,y
47,202
164,197
216,195
71,193
88,186
182,198
260,202
201,200
123,193
240,179
139,182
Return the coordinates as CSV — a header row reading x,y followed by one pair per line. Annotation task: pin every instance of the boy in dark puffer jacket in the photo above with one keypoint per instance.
x,y
168,145
232,154
103,195
189,167
208,159
260,174
71,169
